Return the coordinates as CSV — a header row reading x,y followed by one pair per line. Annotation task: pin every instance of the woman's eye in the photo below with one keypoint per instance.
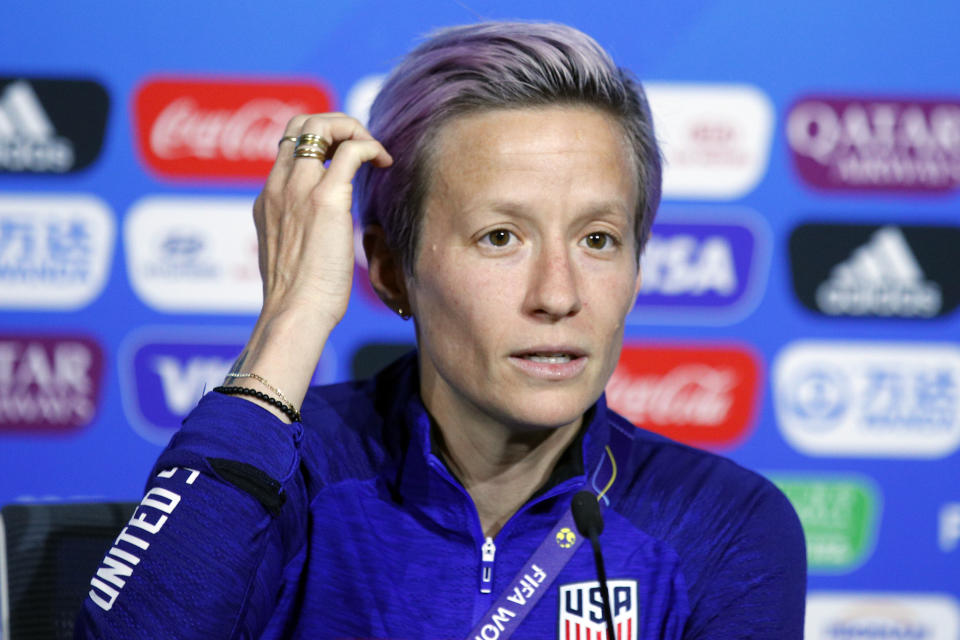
x,y
499,237
598,240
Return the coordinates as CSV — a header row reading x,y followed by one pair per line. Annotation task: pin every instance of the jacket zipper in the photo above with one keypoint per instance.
x,y
488,549
487,553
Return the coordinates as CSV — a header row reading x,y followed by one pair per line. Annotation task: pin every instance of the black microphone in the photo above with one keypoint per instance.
x,y
586,514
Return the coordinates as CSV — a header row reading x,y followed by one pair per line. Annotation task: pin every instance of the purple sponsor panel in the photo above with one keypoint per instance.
x,y
697,271
165,372
170,378
876,144
49,383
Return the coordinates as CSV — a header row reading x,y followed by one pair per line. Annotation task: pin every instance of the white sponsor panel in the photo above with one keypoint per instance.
x,y
194,254
715,138
361,95
55,251
869,399
948,529
841,615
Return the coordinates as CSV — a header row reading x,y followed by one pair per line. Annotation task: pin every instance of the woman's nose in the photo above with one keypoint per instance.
x,y
553,290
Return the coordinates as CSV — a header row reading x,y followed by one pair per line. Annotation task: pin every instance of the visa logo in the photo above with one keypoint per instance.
x,y
700,272
166,371
166,374
184,381
685,264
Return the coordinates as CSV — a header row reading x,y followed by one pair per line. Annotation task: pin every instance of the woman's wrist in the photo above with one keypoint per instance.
x,y
279,361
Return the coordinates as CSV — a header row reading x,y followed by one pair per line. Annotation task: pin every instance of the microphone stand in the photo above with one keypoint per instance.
x,y
586,514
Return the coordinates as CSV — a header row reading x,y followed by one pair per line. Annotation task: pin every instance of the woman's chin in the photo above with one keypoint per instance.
x,y
539,415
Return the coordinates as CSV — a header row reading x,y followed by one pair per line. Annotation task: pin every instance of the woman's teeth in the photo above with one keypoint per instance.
x,y
550,359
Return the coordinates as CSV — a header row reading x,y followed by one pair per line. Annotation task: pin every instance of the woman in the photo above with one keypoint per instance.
x,y
507,189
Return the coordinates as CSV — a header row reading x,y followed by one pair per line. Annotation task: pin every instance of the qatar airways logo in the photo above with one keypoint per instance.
x,y
703,396
863,143
705,268
193,128
49,383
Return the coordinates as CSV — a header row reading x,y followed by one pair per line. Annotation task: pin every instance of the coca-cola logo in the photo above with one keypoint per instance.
x,y
225,129
875,143
703,396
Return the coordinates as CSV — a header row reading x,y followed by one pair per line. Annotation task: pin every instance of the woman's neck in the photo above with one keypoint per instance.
x,y
501,468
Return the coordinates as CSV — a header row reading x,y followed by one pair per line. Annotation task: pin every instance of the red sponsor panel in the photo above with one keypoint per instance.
x,y
49,383
206,128
704,396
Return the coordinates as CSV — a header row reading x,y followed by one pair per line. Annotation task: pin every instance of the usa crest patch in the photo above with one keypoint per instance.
x,y
581,610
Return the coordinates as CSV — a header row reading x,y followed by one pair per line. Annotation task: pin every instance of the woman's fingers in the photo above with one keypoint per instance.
x,y
302,215
284,162
333,129
348,157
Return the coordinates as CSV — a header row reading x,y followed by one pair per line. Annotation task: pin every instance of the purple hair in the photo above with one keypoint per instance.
x,y
493,65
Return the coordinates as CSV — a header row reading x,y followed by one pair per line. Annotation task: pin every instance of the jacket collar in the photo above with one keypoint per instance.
x,y
420,479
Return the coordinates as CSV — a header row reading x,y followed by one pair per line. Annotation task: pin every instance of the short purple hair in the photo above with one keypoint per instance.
x,y
493,65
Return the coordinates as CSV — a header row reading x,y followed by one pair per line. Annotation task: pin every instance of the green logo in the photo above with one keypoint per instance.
x,y
839,517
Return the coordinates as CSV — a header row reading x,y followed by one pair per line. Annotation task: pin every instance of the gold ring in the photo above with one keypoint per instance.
x,y
312,138
308,152
287,139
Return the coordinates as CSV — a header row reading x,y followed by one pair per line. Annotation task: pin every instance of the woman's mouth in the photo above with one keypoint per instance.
x,y
550,364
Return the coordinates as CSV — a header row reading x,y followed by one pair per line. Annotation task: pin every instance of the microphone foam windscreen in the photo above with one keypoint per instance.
x,y
586,513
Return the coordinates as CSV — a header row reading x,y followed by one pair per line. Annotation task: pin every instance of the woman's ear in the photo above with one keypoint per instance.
x,y
385,270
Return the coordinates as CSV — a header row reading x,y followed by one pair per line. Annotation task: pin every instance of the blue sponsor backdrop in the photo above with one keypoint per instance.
x,y
870,93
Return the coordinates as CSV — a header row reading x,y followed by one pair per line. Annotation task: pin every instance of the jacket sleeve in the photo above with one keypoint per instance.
x,y
222,520
755,585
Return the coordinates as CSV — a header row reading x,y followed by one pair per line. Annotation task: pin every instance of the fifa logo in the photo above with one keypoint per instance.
x,y
581,611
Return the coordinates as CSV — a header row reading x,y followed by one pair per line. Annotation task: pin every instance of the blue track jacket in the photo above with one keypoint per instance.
x,y
349,526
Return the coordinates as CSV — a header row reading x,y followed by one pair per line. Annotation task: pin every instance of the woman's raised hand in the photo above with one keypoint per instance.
x,y
304,226
305,236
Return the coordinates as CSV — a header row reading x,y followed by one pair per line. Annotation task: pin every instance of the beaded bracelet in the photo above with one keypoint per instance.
x,y
287,409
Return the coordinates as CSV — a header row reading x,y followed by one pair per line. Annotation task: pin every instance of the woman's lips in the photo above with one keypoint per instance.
x,y
550,363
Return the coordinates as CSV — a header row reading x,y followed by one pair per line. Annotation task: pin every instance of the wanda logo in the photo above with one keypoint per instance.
x,y
705,396
221,129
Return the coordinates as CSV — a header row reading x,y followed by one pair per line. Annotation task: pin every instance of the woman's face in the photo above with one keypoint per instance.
x,y
527,266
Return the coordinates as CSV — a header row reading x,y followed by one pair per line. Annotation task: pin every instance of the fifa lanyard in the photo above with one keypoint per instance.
x,y
541,569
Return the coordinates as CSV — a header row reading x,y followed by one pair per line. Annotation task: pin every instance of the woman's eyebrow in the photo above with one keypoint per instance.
x,y
601,209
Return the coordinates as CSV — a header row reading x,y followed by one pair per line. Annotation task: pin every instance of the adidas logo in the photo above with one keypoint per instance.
x,y
881,277
28,140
